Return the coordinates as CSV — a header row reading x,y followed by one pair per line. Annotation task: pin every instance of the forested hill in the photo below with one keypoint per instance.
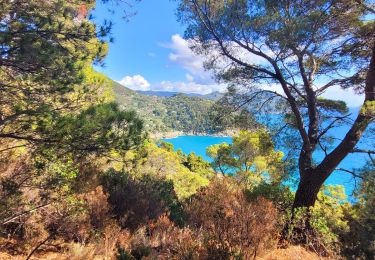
x,y
212,96
180,112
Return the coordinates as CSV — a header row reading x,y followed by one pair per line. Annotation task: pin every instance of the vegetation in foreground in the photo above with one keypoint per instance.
x,y
79,179
156,202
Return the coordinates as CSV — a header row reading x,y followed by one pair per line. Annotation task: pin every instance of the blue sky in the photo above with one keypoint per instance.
x,y
149,53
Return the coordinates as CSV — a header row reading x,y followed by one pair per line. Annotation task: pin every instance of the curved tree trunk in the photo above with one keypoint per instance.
x,y
312,179
307,191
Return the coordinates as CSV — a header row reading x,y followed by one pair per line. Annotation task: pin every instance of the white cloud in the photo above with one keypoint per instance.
x,y
336,93
188,87
151,54
136,82
199,79
189,77
182,55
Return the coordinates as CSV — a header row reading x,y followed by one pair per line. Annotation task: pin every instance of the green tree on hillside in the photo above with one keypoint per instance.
x,y
57,116
303,47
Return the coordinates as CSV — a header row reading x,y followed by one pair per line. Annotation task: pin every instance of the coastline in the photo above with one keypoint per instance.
x,y
175,134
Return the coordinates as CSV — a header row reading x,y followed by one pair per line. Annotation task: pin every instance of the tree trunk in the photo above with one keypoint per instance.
x,y
308,190
313,179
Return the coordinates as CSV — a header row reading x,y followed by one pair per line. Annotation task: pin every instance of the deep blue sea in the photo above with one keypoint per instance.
x,y
198,144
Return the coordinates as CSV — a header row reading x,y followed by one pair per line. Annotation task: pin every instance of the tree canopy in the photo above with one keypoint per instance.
x,y
56,113
251,157
292,51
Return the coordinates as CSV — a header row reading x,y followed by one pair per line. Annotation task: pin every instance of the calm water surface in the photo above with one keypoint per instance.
x,y
198,145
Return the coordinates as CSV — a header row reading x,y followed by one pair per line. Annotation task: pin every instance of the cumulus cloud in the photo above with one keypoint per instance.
x,y
352,99
136,82
189,77
182,55
334,93
198,79
188,87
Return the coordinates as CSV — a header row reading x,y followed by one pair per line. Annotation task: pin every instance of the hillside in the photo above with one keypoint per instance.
x,y
163,113
212,96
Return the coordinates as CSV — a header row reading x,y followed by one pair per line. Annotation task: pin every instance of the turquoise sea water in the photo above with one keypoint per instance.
x,y
198,144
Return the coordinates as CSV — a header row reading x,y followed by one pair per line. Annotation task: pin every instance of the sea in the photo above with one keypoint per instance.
x,y
199,144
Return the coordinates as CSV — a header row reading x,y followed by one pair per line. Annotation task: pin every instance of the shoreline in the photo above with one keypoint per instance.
x,y
176,134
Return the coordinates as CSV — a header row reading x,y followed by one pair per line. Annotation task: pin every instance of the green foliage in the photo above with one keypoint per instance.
x,y
360,239
163,114
320,227
97,129
165,145
328,213
251,157
124,255
164,162
222,156
198,165
280,195
194,115
48,42
333,105
46,64
136,200
57,118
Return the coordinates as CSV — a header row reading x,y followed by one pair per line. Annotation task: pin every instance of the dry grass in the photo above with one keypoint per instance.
x,y
291,253
82,252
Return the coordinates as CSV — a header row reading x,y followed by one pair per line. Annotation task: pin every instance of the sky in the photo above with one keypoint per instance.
x,y
150,53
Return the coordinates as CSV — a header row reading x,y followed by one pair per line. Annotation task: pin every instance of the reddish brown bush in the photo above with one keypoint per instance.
x,y
98,207
233,225
163,240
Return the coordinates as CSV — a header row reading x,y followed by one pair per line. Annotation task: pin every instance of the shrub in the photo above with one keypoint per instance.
x,y
359,241
318,228
162,239
281,196
163,162
80,251
98,207
138,200
68,220
233,226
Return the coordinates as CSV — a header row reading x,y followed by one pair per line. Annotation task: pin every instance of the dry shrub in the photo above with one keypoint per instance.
x,y
68,220
80,218
113,238
174,242
80,251
234,227
292,253
98,207
163,240
107,246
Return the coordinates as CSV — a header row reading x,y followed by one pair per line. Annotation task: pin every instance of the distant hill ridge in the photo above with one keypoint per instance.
x,y
172,113
211,96
168,111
